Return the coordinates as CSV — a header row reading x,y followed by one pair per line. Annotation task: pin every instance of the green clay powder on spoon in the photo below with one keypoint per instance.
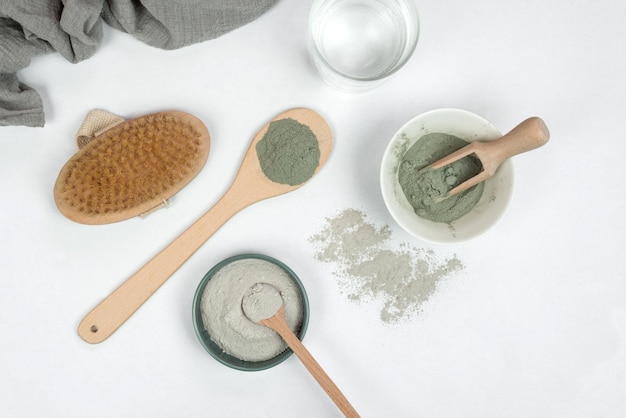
x,y
288,152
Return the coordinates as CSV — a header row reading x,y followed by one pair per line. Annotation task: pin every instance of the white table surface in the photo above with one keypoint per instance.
x,y
534,326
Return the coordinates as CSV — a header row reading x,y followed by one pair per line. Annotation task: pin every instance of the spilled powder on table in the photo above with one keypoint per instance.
x,y
369,267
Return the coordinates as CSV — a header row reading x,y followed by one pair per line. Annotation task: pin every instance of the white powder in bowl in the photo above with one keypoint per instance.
x,y
223,316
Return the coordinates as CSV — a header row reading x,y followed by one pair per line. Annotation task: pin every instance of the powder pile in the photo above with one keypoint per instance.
x,y
368,267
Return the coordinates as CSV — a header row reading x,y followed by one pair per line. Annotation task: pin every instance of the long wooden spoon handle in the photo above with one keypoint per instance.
x,y
279,325
116,308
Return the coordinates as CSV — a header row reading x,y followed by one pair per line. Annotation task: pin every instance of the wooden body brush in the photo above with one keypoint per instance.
x,y
131,168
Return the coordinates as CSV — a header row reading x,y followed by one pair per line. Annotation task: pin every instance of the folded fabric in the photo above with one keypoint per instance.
x,y
73,28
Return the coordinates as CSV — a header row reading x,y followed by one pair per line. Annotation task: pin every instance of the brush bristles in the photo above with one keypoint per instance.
x,y
137,164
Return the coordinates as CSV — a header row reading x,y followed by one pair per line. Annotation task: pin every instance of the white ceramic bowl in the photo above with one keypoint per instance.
x,y
489,209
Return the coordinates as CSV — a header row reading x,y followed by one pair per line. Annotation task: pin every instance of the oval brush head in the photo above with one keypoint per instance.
x,y
132,168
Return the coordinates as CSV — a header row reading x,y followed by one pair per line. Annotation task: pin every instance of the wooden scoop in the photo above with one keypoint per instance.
x,y
250,186
264,305
528,135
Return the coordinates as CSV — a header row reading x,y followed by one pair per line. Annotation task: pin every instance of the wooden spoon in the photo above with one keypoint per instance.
x,y
263,304
250,186
528,135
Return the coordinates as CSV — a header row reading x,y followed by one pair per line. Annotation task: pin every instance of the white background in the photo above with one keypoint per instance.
x,y
534,326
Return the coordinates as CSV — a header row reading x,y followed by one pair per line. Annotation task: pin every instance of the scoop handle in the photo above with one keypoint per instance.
x,y
530,134
115,309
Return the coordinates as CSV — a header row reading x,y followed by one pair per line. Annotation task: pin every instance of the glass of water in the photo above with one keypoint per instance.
x,y
356,44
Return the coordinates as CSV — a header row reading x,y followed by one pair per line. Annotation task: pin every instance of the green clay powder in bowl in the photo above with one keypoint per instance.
x,y
223,328
423,189
410,195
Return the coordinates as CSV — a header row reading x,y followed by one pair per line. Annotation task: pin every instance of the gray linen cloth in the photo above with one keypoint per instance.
x,y
73,28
